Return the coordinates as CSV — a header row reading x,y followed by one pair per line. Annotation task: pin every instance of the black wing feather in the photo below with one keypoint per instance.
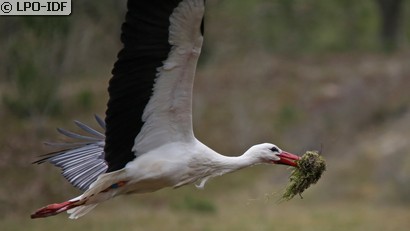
x,y
146,46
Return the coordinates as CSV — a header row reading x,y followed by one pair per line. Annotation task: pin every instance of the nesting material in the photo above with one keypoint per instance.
x,y
310,168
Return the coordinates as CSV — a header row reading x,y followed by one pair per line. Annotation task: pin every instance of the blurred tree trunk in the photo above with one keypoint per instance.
x,y
390,13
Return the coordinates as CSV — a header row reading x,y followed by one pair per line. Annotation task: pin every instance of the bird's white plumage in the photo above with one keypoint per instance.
x,y
168,114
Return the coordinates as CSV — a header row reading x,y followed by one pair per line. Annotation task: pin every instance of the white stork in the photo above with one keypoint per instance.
x,y
149,143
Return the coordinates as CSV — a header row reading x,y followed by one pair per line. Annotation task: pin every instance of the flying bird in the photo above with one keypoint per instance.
x,y
148,141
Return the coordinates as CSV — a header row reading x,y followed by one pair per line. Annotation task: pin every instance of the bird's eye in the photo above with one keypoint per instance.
x,y
274,149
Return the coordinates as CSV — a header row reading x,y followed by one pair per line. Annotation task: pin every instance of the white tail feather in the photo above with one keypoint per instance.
x,y
80,211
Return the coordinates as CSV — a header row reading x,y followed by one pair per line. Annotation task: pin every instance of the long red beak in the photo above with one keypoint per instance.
x,y
287,158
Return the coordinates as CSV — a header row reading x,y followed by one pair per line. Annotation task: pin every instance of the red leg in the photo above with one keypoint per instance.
x,y
54,209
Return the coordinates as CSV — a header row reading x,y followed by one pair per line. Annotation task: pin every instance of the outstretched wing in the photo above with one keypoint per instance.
x,y
80,162
151,88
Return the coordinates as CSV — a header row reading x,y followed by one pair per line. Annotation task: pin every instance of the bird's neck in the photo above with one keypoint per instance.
x,y
228,164
216,164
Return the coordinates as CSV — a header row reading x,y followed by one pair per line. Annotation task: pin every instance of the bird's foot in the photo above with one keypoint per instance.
x,y
54,209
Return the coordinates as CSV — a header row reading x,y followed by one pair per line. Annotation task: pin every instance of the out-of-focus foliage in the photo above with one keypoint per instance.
x,y
305,26
33,72
62,45
273,25
299,73
38,51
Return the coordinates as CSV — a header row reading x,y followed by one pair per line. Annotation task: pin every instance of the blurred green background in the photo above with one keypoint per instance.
x,y
303,74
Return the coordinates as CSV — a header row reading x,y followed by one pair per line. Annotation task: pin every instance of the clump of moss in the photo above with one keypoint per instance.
x,y
310,168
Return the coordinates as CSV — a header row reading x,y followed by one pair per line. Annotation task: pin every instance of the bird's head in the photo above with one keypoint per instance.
x,y
272,154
